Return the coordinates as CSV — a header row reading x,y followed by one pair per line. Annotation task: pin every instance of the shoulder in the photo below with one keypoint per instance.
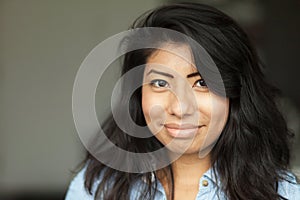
x,y
76,188
289,188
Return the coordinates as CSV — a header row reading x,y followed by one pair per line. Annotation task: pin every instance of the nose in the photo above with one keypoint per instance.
x,y
181,103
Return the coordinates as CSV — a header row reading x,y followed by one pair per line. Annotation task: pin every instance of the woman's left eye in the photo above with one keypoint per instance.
x,y
200,83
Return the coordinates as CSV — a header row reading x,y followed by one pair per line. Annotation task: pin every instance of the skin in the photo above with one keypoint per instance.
x,y
183,115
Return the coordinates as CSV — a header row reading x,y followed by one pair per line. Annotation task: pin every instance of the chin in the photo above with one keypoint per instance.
x,y
184,150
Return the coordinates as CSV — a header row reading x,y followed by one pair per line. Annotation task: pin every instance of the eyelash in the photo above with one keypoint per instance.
x,y
155,83
202,83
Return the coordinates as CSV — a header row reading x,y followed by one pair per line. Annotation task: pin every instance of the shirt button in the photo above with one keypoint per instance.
x,y
205,183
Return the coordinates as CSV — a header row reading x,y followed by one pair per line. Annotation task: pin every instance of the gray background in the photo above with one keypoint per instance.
x,y
42,44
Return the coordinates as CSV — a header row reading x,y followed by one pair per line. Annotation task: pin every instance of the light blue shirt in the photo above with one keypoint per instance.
x,y
207,188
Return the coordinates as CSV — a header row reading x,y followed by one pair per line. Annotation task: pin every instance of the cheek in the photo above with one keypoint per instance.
x,y
204,108
153,106
219,112
219,108
213,109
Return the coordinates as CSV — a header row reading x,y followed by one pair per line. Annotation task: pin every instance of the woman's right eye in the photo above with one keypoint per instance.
x,y
158,83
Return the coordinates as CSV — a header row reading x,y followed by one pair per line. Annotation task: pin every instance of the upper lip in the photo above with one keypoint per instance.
x,y
181,126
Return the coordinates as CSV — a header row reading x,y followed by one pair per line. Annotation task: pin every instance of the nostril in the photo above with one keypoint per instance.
x,y
181,109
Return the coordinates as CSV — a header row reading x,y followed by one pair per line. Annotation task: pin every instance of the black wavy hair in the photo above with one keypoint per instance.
x,y
252,154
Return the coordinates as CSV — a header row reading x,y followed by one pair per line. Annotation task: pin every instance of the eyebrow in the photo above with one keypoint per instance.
x,y
161,73
193,74
171,76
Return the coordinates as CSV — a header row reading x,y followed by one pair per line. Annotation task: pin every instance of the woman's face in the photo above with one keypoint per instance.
x,y
178,107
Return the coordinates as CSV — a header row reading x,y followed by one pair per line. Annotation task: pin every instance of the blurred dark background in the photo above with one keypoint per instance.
x,y
42,44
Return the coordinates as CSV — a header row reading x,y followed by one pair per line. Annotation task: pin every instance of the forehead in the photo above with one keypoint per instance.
x,y
176,57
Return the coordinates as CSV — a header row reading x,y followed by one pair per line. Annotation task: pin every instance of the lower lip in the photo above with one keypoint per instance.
x,y
182,133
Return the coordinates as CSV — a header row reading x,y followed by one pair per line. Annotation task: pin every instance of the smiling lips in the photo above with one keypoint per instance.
x,y
182,131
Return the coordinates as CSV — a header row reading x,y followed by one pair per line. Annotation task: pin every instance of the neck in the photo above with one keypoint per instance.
x,y
189,168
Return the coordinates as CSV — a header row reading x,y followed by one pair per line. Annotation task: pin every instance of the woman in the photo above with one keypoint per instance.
x,y
227,144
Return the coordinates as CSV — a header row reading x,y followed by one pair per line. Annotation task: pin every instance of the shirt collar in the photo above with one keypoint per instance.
x,y
212,176
209,174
